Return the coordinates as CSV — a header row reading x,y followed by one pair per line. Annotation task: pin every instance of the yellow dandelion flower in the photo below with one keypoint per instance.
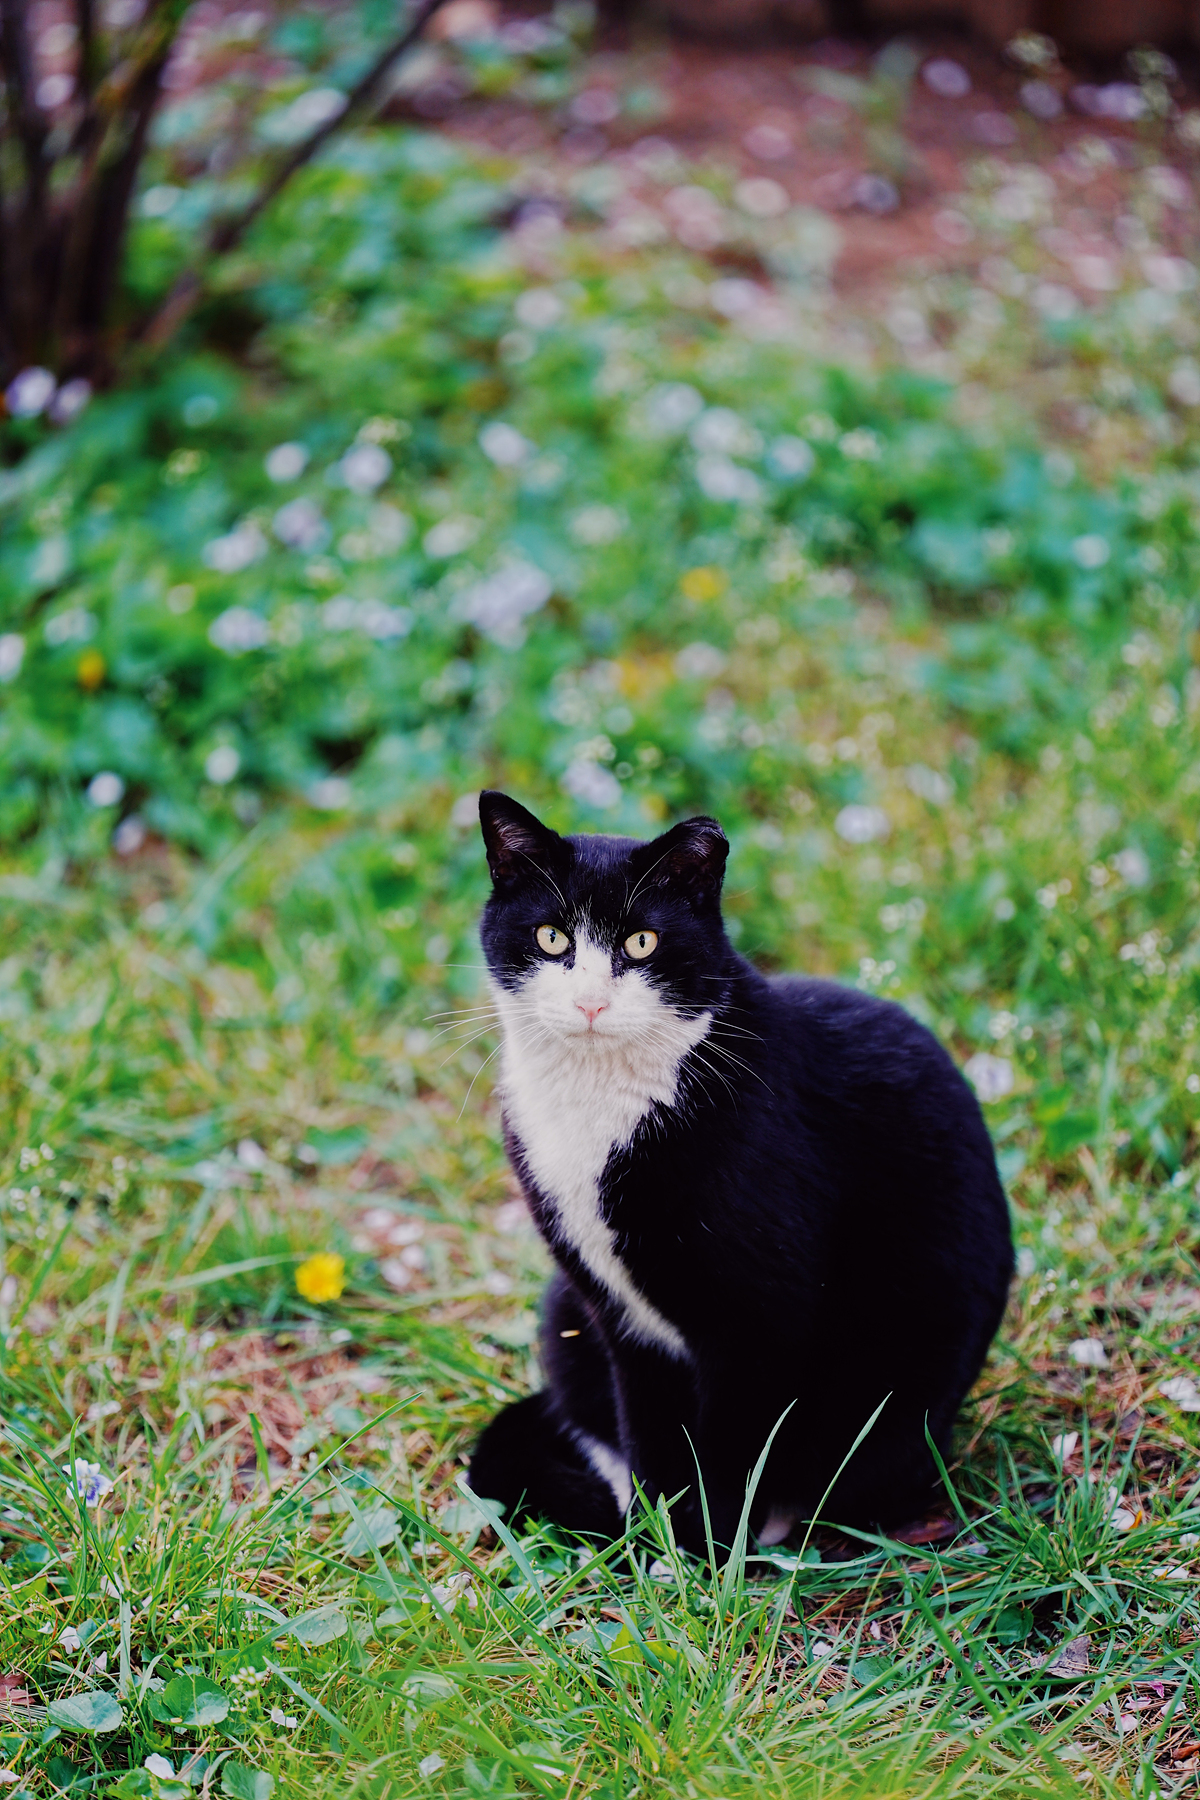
x,y
322,1277
90,671
704,583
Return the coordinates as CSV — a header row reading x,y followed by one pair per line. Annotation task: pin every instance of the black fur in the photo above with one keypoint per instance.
x,y
819,1216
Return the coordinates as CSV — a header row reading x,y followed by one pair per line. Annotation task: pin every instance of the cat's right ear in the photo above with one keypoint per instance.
x,y
517,844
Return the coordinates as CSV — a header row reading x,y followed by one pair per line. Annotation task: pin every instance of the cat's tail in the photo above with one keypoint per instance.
x,y
531,1466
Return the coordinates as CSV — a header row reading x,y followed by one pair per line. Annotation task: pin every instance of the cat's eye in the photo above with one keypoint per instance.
x,y
553,941
640,944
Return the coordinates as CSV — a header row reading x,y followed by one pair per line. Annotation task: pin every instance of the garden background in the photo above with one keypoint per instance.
x,y
802,434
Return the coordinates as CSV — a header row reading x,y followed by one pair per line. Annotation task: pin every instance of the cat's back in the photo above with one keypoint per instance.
x,y
853,1063
842,1036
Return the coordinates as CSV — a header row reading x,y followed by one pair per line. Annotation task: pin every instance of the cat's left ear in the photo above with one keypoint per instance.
x,y
690,856
517,844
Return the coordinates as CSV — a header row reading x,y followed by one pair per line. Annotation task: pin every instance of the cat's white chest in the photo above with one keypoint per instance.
x,y
572,1101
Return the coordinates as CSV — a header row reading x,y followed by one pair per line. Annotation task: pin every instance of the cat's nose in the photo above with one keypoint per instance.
x,y
592,1008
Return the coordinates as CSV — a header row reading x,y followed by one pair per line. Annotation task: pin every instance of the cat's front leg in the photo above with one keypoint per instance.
x,y
656,1420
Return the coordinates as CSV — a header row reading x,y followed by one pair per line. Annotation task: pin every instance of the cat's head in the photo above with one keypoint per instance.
x,y
598,934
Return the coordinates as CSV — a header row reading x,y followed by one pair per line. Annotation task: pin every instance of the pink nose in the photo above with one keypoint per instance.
x,y
592,1008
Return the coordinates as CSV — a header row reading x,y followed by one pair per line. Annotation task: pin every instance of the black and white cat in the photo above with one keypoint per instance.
x,y
757,1191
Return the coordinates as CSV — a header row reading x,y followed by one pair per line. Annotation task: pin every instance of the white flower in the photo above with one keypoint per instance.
x,y
236,550
429,1765
498,604
286,462
54,91
1054,301
129,836
761,197
68,1637
330,794
591,784
1040,99
928,784
770,143
288,124
948,79
30,392
288,1721
1169,274
159,200
12,655
105,789
364,468
862,824
1183,383
1183,1391
596,525
70,400
875,194
458,1587
222,764
1120,100
1091,551
990,1076
451,536
1133,865
383,622
75,625
722,479
300,526
8,1775
671,407
158,1765
1062,1448
237,630
50,561
397,1274
699,662
862,445
539,308
791,458
89,1480
504,445
1088,1353
722,432
736,298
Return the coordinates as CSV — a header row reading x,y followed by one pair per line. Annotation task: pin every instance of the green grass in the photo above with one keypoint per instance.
x,y
227,1047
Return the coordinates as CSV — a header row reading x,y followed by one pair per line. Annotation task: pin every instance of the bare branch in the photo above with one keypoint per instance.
x,y
85,19
32,125
365,95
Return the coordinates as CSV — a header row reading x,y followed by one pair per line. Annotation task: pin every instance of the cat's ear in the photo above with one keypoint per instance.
x,y
517,844
690,856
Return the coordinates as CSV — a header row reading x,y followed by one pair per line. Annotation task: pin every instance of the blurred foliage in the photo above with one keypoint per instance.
x,y
440,493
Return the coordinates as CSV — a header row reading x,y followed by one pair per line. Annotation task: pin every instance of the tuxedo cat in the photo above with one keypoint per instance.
x,y
758,1191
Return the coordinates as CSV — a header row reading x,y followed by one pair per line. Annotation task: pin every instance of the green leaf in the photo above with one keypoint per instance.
x,y
94,1711
320,1626
374,1529
65,1774
1013,1625
241,1782
195,1700
334,1148
427,1687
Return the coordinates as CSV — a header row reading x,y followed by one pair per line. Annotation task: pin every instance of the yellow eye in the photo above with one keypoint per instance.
x,y
553,941
640,945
